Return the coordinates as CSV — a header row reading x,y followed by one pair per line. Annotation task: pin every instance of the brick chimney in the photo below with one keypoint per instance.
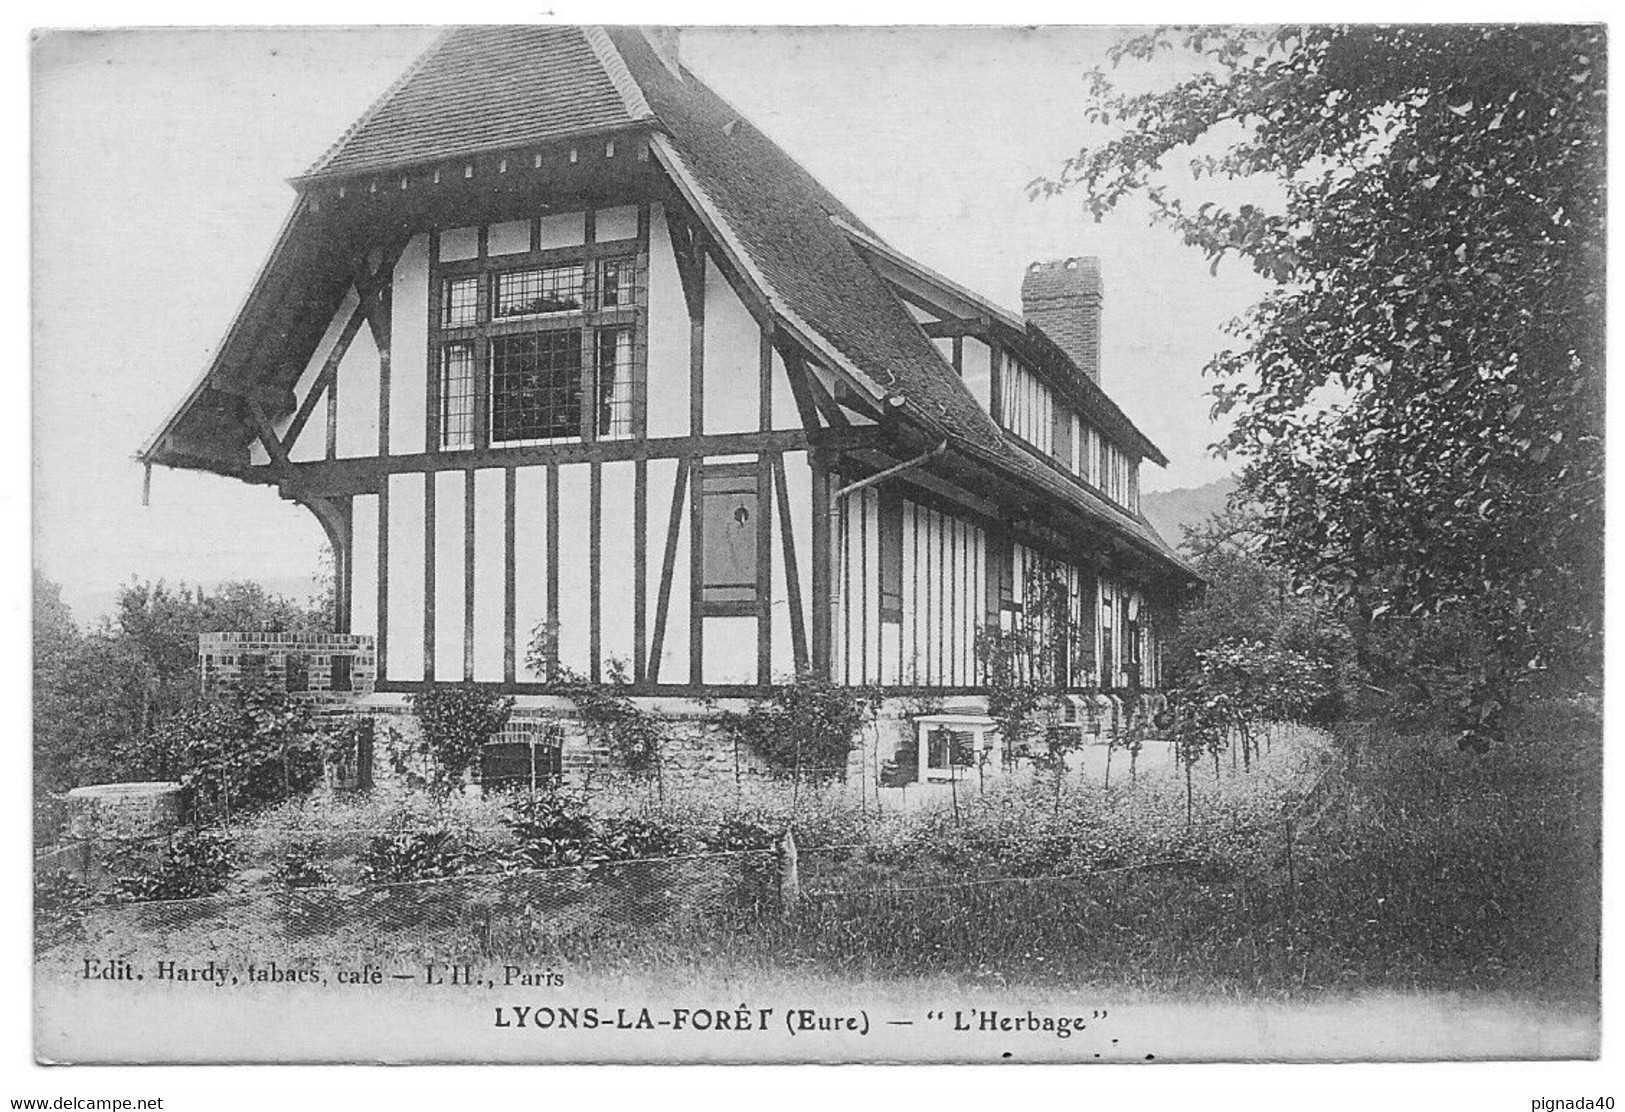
x,y
1062,297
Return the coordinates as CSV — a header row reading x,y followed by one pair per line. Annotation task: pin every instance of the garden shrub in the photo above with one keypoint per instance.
x,y
410,855
805,727
194,864
456,723
345,742
553,831
634,837
299,868
757,876
556,831
58,894
611,719
243,750
740,834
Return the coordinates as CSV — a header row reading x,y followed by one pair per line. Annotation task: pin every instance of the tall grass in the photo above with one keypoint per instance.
x,y
1372,862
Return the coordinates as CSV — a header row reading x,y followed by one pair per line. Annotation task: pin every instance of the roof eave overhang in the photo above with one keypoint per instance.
x,y
155,450
959,299
999,461
382,170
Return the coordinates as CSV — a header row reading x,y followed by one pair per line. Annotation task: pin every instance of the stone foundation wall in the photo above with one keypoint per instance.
x,y
697,752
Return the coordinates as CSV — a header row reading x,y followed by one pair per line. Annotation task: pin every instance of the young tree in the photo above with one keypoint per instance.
x,y
1421,397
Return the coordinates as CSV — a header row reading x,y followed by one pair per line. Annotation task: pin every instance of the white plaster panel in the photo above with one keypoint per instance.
x,y
798,489
783,401
871,585
668,373
976,371
575,547
911,665
509,238
530,562
732,359
406,549
564,229
357,381
449,534
490,571
312,442
459,243
409,349
729,650
617,566
616,223
674,647
364,564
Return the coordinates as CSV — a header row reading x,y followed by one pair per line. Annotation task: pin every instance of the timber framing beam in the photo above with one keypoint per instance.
x,y
363,475
958,327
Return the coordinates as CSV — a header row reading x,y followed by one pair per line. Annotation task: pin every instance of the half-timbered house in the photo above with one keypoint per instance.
x,y
578,370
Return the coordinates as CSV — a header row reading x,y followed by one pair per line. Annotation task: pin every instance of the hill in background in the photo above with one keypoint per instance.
x,y
1169,511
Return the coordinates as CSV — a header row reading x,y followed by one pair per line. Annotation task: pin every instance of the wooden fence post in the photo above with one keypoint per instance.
x,y
789,875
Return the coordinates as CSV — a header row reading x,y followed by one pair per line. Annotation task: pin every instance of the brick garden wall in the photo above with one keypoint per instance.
x,y
322,668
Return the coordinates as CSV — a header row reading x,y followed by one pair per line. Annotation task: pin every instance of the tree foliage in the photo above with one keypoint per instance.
x,y
1420,397
244,749
1291,635
102,695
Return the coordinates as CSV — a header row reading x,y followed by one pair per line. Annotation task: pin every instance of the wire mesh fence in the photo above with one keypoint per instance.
x,y
501,909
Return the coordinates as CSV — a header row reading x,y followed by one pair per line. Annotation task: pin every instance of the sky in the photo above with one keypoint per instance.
x,y
161,160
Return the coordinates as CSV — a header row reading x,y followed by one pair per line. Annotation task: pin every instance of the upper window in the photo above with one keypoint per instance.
x,y
547,289
537,347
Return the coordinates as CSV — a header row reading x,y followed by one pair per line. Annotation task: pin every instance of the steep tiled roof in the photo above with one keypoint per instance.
x,y
780,213
481,88
484,89
781,216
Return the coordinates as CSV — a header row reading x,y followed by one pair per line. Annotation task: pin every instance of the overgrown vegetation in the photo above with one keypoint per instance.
x,y
806,728
612,719
410,855
119,700
301,867
1405,865
455,722
242,750
1028,667
192,863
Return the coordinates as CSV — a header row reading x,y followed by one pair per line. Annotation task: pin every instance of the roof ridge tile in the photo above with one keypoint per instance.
x,y
619,74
